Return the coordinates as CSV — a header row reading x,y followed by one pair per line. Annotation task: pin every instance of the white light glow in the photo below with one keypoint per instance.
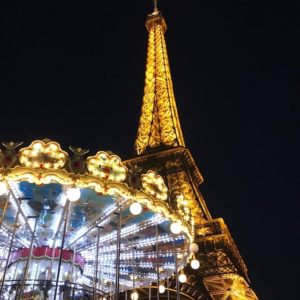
x,y
134,295
175,228
161,288
136,208
182,278
3,188
73,194
194,247
195,264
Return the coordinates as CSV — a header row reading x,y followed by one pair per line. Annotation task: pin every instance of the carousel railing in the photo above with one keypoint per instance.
x,y
44,289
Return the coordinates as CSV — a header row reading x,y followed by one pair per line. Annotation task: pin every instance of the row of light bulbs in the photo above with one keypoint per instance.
x,y
73,194
182,278
136,208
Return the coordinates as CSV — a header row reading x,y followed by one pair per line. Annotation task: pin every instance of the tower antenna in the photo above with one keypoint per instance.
x,y
155,5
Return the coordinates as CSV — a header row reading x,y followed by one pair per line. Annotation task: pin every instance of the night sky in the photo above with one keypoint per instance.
x,y
74,72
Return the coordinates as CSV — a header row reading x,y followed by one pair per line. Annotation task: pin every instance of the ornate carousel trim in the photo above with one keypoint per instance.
x,y
44,162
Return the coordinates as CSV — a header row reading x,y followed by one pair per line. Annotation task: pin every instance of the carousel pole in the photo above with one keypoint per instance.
x,y
176,271
117,285
15,271
110,289
100,284
157,261
1,221
62,246
9,250
133,270
29,255
36,274
4,209
168,290
96,265
74,276
2,258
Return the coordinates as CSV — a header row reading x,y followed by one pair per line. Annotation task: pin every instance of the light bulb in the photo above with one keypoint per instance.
x,y
182,278
195,264
179,255
136,208
194,247
73,194
161,288
3,188
175,227
134,295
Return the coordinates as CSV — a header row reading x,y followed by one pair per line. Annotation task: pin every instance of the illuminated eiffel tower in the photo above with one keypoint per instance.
x,y
160,147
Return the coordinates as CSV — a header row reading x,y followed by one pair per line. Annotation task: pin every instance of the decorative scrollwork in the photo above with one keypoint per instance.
x,y
43,155
155,185
107,166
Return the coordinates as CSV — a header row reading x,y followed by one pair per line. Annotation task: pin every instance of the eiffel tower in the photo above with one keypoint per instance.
x,y
160,147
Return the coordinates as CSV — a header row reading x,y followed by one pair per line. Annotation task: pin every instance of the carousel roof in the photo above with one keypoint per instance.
x,y
36,181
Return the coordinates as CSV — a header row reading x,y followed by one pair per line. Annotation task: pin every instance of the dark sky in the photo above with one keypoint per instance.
x,y
74,72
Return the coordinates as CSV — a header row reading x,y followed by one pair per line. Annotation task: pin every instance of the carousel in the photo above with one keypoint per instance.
x,y
73,227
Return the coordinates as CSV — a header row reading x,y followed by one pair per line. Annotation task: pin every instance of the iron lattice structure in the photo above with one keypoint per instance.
x,y
159,122
160,147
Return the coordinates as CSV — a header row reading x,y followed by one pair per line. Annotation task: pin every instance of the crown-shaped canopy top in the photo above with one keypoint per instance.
x,y
159,123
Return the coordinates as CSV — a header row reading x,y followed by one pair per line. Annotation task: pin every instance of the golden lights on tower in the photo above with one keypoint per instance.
x,y
159,122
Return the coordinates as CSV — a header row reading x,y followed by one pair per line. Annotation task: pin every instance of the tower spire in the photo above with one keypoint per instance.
x,y
155,5
159,123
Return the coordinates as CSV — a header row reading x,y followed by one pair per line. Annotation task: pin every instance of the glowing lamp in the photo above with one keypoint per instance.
x,y
161,288
195,264
194,247
182,278
73,194
134,295
3,188
136,208
175,227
